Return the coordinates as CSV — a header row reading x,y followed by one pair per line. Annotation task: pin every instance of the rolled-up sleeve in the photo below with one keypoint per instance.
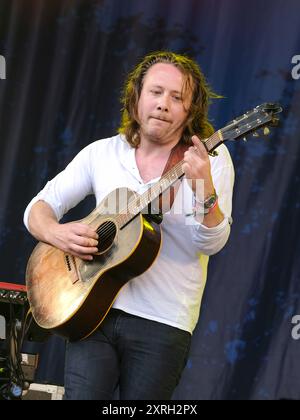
x,y
209,241
68,188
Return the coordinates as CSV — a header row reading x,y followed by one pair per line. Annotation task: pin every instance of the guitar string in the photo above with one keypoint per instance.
x,y
174,169
121,219
132,206
168,178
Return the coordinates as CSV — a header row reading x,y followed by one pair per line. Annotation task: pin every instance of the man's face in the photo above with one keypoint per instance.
x,y
162,109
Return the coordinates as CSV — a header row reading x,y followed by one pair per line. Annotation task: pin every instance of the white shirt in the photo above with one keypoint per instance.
x,y
170,291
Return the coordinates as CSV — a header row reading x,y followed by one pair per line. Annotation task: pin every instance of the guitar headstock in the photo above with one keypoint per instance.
x,y
264,115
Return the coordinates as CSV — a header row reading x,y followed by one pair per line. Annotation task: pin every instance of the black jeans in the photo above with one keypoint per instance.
x,y
144,358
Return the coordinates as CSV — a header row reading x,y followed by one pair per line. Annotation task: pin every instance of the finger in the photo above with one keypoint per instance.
x,y
88,232
86,257
186,167
83,250
83,257
190,153
84,241
197,142
191,156
93,234
84,230
198,146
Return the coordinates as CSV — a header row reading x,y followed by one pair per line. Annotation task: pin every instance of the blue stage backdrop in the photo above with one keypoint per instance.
x,y
62,68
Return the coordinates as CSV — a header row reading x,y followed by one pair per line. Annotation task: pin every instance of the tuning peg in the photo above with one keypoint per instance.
x,y
255,134
245,139
266,131
275,122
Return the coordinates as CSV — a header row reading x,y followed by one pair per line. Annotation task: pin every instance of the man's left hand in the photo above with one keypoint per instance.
x,y
197,166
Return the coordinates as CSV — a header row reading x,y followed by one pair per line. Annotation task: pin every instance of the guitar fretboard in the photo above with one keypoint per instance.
x,y
137,204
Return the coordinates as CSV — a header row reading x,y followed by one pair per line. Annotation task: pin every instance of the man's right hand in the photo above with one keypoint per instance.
x,y
74,238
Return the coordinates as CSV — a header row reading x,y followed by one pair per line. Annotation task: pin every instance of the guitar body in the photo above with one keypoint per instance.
x,y
70,296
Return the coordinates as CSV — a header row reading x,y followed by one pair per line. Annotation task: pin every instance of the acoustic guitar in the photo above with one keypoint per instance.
x,y
71,297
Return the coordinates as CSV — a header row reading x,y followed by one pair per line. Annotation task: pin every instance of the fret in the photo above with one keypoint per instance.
x,y
213,141
137,204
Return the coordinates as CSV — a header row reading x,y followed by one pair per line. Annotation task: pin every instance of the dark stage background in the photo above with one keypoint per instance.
x,y
65,64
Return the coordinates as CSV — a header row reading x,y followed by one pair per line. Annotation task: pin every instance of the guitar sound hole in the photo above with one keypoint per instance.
x,y
107,233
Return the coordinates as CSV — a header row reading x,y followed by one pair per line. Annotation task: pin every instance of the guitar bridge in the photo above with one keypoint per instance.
x,y
72,268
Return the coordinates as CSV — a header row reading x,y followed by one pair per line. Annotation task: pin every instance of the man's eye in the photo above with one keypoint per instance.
x,y
178,98
156,92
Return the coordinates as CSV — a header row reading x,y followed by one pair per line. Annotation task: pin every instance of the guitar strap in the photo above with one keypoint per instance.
x,y
176,156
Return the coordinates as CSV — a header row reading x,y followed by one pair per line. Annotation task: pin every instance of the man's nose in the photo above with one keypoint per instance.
x,y
163,104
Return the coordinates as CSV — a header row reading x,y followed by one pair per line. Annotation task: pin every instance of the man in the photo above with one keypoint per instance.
x,y
143,343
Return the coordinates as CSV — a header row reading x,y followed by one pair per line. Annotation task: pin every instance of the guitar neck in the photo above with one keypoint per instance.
x,y
138,204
